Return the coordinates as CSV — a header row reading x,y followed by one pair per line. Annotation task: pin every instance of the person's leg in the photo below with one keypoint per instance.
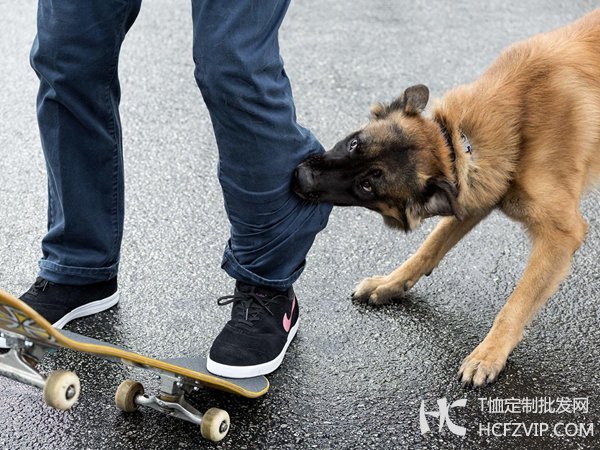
x,y
75,55
240,73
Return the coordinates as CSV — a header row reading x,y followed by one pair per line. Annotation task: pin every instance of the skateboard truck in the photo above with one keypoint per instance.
x,y
214,423
60,388
19,363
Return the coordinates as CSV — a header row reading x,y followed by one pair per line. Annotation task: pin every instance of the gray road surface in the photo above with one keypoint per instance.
x,y
356,375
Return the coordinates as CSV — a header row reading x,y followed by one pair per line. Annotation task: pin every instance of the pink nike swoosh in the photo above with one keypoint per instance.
x,y
287,321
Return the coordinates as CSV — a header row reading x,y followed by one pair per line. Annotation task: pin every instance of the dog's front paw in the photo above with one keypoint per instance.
x,y
379,290
482,366
382,289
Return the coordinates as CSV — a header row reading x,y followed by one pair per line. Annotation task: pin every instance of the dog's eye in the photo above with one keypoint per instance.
x,y
366,186
353,144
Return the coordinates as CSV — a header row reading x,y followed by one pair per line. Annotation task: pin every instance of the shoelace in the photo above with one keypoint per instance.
x,y
40,285
252,304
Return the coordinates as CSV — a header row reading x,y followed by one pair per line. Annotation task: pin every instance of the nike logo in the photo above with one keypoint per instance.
x,y
287,321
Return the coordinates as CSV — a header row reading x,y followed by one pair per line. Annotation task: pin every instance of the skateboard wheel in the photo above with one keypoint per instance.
x,y
215,424
61,390
126,393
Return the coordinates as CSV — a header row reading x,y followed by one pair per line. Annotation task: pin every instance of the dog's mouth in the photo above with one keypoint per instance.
x,y
315,197
312,197
314,187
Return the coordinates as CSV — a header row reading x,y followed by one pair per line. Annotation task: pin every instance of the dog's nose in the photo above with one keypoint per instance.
x,y
296,174
303,179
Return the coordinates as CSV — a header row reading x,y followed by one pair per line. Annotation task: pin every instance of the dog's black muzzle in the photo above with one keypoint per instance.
x,y
304,183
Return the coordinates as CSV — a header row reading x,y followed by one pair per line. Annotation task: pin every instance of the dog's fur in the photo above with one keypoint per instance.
x,y
533,125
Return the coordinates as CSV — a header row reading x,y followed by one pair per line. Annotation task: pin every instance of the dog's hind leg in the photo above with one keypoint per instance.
x,y
381,289
554,243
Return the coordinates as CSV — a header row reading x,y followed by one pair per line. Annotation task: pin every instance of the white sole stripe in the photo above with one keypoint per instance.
x,y
224,370
85,310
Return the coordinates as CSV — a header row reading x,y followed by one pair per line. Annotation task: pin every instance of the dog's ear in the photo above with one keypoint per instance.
x,y
442,200
414,99
378,111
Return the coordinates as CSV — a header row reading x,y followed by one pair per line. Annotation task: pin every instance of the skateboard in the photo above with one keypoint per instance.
x,y
29,337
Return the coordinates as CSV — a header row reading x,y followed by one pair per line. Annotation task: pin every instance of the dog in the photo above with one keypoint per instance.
x,y
524,138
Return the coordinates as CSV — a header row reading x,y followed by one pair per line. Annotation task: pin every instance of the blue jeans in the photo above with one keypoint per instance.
x,y
240,74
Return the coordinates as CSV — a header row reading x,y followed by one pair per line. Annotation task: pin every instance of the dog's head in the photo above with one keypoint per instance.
x,y
394,165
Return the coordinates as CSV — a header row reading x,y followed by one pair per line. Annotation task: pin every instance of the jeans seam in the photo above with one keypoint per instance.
x,y
115,132
50,205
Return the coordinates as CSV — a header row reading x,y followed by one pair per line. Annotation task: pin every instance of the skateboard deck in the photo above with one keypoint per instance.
x,y
18,318
27,330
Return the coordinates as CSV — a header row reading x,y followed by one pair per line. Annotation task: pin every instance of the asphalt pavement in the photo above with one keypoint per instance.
x,y
356,376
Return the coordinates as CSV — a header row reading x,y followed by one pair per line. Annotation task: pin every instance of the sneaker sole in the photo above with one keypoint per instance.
x,y
85,310
224,370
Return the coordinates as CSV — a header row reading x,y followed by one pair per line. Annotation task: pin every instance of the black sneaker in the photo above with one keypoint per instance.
x,y
60,303
263,323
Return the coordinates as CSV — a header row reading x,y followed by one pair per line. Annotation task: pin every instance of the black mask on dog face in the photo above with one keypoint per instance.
x,y
388,166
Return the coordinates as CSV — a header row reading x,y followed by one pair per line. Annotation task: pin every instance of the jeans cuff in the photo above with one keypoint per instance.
x,y
57,273
235,270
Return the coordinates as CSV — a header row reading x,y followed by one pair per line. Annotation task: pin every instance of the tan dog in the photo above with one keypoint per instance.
x,y
524,138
